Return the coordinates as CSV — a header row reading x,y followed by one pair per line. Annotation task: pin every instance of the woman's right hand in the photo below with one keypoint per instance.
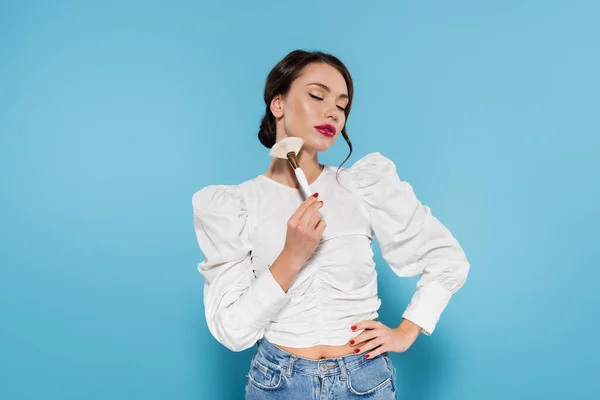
x,y
304,230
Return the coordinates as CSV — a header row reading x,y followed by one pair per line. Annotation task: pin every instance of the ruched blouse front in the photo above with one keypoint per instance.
x,y
241,230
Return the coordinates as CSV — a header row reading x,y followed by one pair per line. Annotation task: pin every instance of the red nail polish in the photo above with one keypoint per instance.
x,y
357,350
367,356
352,342
316,195
353,328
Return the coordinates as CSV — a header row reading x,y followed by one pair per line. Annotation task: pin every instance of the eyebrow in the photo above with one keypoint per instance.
x,y
343,96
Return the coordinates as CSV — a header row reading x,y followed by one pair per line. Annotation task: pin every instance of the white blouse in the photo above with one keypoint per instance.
x,y
241,230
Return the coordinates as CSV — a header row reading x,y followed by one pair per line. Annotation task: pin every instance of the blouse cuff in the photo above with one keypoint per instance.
x,y
262,302
427,305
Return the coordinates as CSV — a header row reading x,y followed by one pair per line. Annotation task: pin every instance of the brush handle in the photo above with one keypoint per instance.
x,y
303,182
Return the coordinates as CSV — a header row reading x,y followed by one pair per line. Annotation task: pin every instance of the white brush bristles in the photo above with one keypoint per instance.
x,y
284,146
281,150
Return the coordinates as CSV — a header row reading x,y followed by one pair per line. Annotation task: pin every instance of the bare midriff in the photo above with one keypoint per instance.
x,y
319,351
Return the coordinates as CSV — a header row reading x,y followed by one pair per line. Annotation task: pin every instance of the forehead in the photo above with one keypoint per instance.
x,y
322,73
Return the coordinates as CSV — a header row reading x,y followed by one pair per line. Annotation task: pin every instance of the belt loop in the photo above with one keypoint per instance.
x,y
342,367
288,373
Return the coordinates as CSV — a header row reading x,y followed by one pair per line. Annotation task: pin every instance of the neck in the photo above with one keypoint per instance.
x,y
281,171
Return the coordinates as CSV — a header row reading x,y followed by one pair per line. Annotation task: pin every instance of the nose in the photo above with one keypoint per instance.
x,y
333,112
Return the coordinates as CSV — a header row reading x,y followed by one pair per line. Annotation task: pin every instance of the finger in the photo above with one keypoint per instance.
x,y
367,324
303,207
320,227
369,346
312,216
310,209
314,220
375,352
364,337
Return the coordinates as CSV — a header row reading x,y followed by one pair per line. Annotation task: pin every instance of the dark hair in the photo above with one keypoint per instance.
x,y
280,80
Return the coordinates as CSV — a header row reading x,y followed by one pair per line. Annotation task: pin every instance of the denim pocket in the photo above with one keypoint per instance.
x,y
372,376
263,376
390,365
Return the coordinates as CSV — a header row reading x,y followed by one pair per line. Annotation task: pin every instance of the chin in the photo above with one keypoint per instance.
x,y
319,144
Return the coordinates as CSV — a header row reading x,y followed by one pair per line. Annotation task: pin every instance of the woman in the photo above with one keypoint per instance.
x,y
296,276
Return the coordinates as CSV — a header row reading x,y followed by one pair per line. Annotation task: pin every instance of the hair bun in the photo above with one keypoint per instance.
x,y
267,131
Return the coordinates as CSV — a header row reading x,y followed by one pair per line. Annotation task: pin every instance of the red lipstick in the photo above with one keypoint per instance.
x,y
326,129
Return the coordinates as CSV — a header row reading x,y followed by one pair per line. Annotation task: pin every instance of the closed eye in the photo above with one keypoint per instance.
x,y
319,98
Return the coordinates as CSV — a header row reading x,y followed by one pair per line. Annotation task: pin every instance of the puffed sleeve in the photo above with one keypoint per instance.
x,y
238,305
412,241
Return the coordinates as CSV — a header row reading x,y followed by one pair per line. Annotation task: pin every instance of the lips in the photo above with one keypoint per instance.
x,y
327,129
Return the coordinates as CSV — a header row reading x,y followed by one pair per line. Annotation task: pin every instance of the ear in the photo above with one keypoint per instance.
x,y
277,106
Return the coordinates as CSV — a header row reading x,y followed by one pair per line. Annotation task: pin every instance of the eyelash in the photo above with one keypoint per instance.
x,y
318,98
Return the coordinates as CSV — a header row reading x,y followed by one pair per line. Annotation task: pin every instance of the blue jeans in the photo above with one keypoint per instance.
x,y
277,374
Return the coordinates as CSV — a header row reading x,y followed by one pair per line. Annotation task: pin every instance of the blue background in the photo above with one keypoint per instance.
x,y
113,114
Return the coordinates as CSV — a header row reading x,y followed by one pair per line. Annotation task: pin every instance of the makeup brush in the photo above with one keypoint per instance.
x,y
289,148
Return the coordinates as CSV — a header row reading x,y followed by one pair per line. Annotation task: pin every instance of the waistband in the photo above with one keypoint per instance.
x,y
322,367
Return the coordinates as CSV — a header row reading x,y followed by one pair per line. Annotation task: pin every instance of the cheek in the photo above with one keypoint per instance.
x,y
300,111
341,124
306,108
